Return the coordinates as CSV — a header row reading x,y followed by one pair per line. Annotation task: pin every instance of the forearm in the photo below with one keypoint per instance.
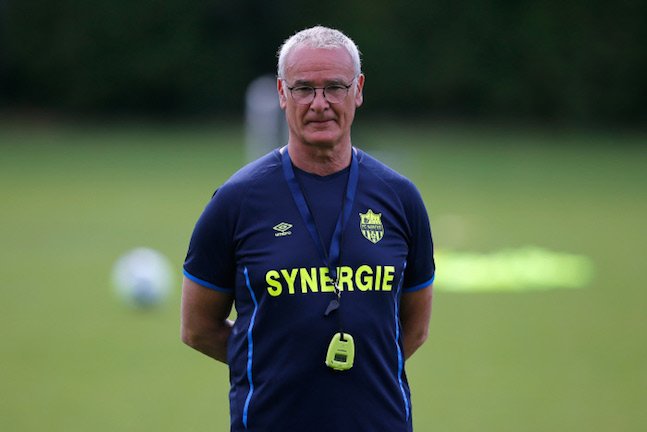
x,y
415,313
412,339
205,326
211,341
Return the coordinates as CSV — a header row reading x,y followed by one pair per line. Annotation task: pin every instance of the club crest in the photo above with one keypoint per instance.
x,y
371,226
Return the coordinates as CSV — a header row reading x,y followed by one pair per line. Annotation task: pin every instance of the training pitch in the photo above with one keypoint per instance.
x,y
75,358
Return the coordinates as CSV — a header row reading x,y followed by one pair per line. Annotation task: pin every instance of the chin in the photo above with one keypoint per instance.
x,y
321,143
321,139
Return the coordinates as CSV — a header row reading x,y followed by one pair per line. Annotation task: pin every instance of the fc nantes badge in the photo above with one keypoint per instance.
x,y
371,225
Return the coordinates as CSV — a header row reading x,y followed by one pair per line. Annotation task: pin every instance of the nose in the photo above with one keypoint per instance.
x,y
319,101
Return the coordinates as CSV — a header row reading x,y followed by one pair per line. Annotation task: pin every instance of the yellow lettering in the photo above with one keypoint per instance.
x,y
290,278
378,277
325,280
387,282
318,279
345,278
364,283
275,288
308,280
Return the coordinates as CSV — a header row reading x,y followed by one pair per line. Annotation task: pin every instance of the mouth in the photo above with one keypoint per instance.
x,y
320,122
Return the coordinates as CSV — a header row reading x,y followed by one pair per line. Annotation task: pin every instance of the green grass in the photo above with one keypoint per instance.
x,y
73,358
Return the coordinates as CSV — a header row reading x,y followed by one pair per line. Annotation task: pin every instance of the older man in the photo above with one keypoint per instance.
x,y
326,254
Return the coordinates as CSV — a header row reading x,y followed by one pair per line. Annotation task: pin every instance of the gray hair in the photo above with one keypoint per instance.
x,y
319,37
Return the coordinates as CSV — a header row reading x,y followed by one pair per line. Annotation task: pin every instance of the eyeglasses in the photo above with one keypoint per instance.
x,y
333,93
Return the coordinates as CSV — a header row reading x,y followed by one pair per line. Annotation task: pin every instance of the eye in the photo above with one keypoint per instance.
x,y
335,89
302,91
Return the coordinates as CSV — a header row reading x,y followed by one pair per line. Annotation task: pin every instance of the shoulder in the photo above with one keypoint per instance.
x,y
378,171
228,198
255,171
250,175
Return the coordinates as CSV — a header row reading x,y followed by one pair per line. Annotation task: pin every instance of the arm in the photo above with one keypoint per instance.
x,y
415,313
205,326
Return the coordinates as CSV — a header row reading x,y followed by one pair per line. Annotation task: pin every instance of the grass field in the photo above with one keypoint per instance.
x,y
74,358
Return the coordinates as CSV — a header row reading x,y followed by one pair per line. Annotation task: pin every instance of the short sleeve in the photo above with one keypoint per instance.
x,y
210,260
421,267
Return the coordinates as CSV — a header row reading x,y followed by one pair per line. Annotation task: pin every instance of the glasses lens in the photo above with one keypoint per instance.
x,y
303,95
336,93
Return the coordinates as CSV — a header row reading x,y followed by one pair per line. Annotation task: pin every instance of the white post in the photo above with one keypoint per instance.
x,y
265,126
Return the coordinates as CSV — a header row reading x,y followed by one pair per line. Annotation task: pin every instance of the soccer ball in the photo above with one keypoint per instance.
x,y
142,277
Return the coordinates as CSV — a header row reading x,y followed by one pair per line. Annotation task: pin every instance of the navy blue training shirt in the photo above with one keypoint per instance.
x,y
256,240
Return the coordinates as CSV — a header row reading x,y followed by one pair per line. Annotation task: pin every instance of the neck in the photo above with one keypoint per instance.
x,y
320,160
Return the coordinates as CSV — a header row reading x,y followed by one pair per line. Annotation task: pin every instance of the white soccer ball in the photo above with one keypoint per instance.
x,y
143,277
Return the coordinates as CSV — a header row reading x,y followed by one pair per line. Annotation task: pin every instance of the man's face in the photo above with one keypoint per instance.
x,y
320,123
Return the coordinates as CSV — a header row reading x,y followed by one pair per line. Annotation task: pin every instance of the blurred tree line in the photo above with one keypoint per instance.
x,y
573,61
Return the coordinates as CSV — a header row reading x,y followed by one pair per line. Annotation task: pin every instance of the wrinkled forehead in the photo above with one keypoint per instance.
x,y
309,63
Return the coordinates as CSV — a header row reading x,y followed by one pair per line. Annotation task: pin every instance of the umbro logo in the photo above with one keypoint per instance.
x,y
282,229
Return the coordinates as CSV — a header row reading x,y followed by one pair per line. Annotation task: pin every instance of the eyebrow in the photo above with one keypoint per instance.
x,y
308,83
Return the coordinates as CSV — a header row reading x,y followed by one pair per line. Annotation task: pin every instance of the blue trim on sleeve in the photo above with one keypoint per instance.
x,y
206,284
250,350
420,286
397,345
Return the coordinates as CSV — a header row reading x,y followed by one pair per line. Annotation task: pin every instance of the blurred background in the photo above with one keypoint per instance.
x,y
566,62
522,123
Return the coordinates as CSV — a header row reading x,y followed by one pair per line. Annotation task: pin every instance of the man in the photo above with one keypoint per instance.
x,y
326,254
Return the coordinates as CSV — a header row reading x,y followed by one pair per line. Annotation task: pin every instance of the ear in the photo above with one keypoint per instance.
x,y
359,96
280,87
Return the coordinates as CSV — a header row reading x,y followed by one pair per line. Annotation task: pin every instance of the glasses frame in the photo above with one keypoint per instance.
x,y
314,91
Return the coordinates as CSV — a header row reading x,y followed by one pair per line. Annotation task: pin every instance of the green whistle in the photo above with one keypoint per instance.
x,y
341,352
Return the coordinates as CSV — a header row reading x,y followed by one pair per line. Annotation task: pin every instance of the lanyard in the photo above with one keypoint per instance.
x,y
330,258
341,350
